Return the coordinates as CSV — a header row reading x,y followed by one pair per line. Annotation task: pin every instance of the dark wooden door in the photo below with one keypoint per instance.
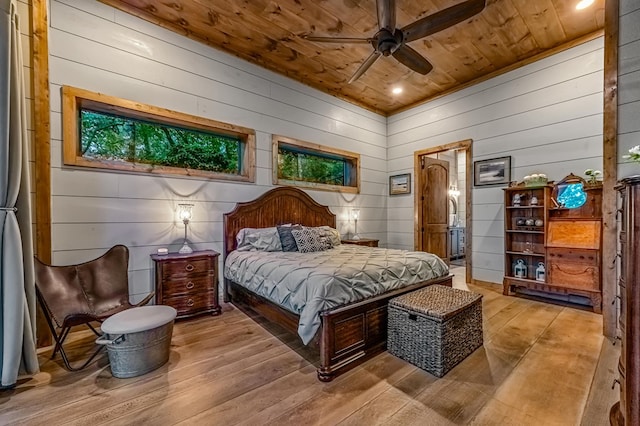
x,y
435,207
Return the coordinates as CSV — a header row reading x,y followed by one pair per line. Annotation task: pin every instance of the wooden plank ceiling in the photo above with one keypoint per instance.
x,y
270,33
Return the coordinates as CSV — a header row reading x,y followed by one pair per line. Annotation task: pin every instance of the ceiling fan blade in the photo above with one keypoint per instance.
x,y
412,59
339,39
386,14
441,20
365,66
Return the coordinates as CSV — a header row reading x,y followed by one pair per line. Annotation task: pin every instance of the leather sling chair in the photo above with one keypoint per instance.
x,y
80,294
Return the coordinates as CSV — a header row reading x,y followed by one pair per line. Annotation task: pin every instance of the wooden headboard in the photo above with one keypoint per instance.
x,y
275,207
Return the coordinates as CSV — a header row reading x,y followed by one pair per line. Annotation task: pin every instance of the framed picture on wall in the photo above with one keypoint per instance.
x,y
400,184
496,171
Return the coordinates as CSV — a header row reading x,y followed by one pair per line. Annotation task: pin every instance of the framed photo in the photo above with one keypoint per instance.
x,y
400,184
496,171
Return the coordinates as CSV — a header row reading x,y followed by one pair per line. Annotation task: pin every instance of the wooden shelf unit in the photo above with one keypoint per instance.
x,y
525,242
568,243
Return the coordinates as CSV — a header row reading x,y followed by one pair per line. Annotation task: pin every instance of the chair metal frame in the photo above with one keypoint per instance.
x,y
83,288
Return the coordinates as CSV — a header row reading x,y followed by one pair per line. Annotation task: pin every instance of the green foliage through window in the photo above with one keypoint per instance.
x,y
296,164
116,138
306,164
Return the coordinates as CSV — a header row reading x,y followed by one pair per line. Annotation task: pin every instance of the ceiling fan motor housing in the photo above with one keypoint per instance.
x,y
386,42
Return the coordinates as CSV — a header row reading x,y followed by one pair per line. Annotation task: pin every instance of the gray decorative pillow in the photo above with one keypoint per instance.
x,y
310,240
286,237
258,239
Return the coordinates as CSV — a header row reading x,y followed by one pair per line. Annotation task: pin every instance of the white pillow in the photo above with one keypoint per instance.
x,y
332,233
258,239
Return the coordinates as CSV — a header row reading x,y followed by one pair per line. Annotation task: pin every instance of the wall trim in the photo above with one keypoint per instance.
x,y
486,283
42,131
42,147
610,169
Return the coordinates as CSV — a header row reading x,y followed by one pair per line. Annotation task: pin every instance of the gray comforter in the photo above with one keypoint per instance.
x,y
308,283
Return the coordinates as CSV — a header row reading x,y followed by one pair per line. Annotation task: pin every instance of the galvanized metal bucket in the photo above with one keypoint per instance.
x,y
139,351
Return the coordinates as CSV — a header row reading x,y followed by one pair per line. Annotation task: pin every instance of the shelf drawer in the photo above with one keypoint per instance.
x,y
584,257
188,285
577,276
190,267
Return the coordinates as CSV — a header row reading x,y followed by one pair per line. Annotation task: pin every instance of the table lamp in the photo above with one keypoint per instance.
x,y
184,212
355,213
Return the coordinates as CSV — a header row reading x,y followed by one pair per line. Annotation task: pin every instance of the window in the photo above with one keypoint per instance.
x,y
299,163
111,133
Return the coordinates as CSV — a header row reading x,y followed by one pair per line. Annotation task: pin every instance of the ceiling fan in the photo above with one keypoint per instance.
x,y
390,40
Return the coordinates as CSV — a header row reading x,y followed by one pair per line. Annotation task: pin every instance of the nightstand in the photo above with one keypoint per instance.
x,y
188,282
362,242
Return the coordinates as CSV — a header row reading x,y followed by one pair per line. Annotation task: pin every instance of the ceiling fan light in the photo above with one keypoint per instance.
x,y
583,4
396,90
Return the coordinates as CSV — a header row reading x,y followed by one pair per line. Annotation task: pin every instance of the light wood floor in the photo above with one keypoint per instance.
x,y
536,367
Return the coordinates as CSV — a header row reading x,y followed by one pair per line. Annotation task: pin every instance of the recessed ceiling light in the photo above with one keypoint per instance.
x,y
583,4
396,90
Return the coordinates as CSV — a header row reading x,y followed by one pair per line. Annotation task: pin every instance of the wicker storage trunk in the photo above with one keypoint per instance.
x,y
435,328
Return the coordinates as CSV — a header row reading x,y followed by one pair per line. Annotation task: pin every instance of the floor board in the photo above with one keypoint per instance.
x,y
540,364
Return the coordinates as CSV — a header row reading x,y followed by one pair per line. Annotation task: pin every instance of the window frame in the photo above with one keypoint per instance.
x,y
75,99
314,148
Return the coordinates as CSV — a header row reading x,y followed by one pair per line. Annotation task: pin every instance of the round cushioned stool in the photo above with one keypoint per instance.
x,y
138,339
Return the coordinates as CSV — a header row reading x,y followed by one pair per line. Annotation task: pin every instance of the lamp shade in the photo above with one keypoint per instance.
x,y
355,213
184,212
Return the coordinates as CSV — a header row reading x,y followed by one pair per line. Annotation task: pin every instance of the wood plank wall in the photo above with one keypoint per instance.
x,y
96,47
628,85
546,115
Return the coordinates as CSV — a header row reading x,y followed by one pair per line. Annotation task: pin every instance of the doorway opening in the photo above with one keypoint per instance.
x,y
443,213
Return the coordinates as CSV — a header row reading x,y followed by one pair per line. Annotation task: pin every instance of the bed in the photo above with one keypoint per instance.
x,y
348,334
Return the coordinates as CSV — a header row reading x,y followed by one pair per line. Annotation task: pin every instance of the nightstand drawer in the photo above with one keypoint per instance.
x,y
188,285
367,242
184,267
190,304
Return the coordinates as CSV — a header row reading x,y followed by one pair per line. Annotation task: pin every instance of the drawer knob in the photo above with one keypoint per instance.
x,y
190,285
613,385
189,267
190,302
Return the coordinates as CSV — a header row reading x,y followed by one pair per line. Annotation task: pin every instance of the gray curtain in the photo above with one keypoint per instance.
x,y
17,285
